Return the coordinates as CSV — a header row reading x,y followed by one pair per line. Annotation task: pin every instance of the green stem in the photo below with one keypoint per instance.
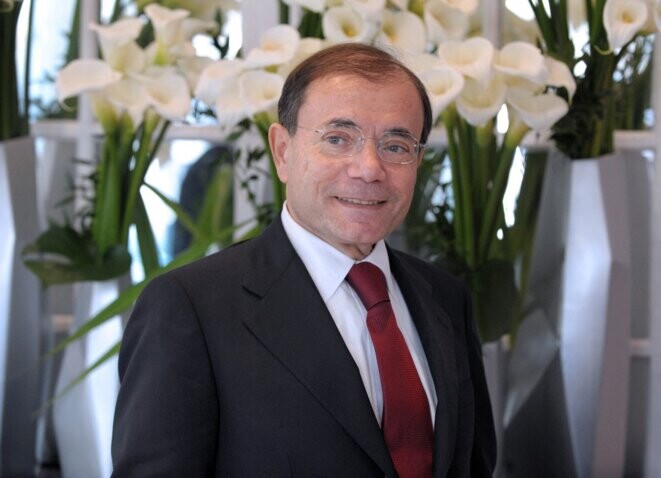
x,y
449,119
466,178
283,12
105,222
492,213
143,158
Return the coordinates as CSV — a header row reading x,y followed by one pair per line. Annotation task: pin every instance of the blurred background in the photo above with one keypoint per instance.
x,y
133,141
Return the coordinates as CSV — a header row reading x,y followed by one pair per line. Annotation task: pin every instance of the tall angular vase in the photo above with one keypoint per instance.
x,y
83,414
20,310
568,373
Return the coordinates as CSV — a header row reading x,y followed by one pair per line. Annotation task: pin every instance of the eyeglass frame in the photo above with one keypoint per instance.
x,y
360,144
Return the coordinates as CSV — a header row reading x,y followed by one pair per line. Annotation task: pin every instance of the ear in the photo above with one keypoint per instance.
x,y
280,142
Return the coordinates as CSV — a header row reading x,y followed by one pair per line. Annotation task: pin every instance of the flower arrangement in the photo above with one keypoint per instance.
x,y
135,93
612,26
13,111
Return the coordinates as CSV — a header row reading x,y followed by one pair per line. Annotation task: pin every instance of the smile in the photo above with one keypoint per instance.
x,y
360,202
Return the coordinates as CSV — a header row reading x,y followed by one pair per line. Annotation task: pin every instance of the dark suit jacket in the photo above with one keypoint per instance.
x,y
232,366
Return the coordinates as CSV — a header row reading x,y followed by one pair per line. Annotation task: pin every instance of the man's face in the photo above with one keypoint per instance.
x,y
350,202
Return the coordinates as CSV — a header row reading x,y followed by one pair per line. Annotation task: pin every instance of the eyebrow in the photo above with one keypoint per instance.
x,y
345,122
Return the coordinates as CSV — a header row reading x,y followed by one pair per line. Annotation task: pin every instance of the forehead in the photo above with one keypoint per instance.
x,y
391,102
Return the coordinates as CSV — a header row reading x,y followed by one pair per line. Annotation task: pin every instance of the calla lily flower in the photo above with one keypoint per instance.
x,y
169,96
622,20
128,58
369,9
192,68
467,7
443,85
519,59
344,24
127,95
167,22
479,103
116,34
306,48
260,91
403,30
445,23
277,45
214,76
559,75
472,57
229,108
84,75
317,6
422,62
538,112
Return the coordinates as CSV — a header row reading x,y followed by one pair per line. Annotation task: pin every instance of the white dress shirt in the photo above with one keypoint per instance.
x,y
328,268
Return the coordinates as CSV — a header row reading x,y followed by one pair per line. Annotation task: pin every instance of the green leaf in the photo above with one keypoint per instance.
x,y
216,212
146,239
179,211
495,298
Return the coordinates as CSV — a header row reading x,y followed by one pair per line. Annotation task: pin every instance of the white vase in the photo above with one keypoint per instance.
x,y
83,416
568,372
20,310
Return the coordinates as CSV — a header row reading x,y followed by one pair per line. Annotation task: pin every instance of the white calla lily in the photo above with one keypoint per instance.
x,y
277,45
344,24
622,20
523,60
369,9
84,75
478,102
317,6
192,26
169,96
421,62
229,108
116,34
467,7
260,91
128,58
538,112
192,68
306,47
472,57
403,30
445,23
559,75
167,22
443,85
129,96
214,76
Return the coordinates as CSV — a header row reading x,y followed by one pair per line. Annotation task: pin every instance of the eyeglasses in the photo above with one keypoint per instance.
x,y
344,140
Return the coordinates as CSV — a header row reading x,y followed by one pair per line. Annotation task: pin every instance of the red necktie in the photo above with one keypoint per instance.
x,y
406,421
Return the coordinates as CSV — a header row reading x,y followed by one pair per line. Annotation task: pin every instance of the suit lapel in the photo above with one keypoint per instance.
x,y
293,323
435,331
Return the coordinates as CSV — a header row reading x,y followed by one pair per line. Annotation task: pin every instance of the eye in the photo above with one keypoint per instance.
x,y
397,145
338,140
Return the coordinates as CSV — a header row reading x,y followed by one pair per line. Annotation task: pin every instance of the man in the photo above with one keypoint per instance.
x,y
268,359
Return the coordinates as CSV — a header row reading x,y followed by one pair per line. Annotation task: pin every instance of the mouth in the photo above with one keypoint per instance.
x,y
359,202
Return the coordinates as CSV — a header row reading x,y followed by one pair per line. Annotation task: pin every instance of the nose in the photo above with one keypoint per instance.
x,y
366,164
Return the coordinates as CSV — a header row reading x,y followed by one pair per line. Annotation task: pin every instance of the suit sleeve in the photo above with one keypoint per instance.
x,y
483,456
166,418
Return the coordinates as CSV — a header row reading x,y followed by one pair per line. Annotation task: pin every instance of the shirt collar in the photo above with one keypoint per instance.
x,y
327,265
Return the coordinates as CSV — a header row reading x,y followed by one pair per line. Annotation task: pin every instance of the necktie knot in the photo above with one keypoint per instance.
x,y
369,283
